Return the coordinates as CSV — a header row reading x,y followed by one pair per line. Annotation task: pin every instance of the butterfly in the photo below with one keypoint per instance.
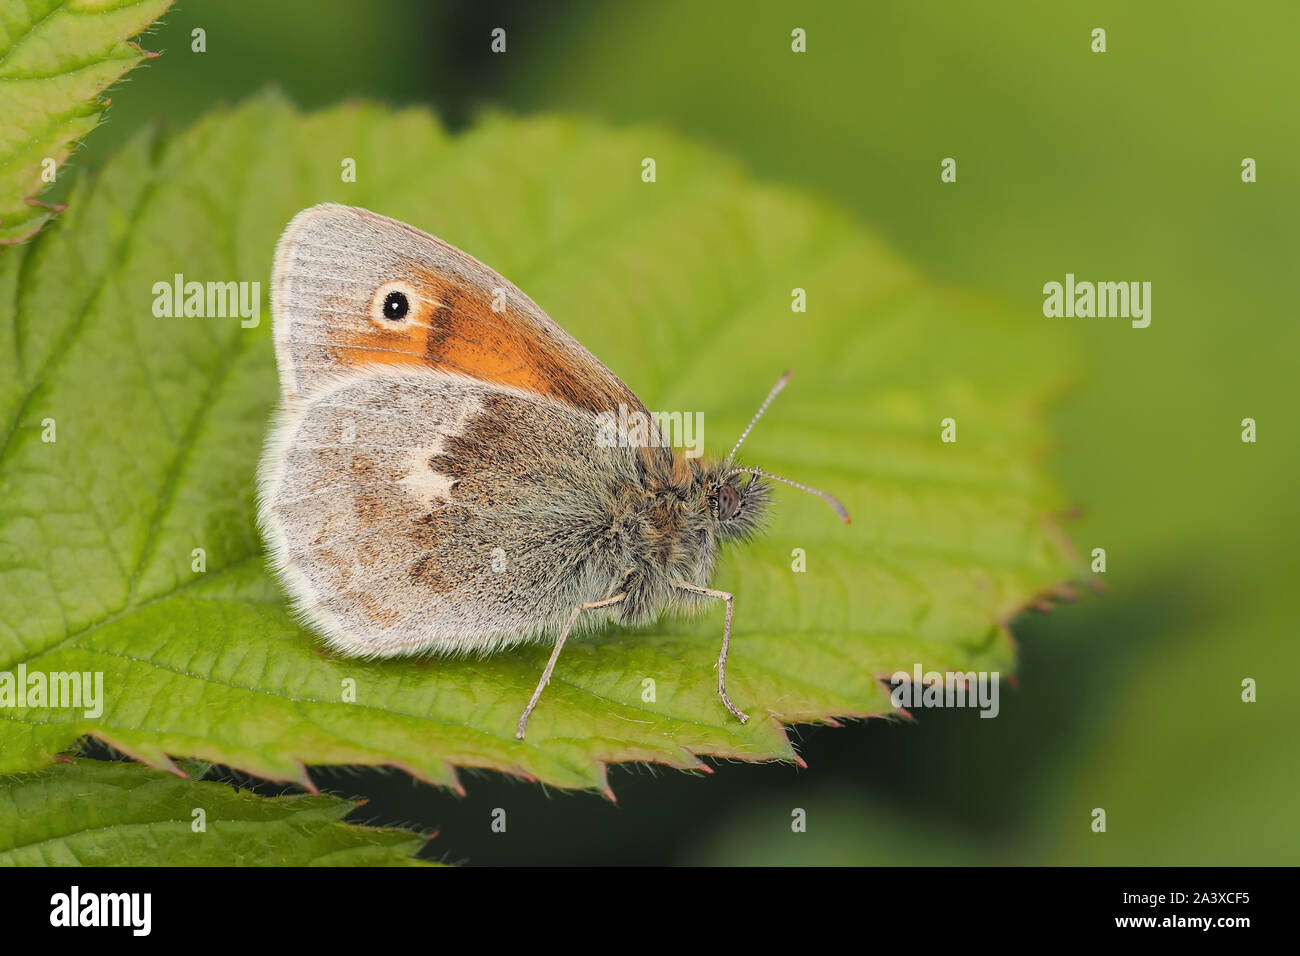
x,y
433,480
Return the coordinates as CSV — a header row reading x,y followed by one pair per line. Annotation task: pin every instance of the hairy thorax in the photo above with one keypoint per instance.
x,y
664,533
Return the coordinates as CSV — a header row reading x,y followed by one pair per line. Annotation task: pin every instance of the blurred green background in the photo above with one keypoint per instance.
x,y
1117,166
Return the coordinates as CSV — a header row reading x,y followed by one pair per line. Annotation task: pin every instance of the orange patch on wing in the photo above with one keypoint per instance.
x,y
455,328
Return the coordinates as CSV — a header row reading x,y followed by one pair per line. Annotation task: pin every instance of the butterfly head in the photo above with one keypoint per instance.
x,y
737,502
738,496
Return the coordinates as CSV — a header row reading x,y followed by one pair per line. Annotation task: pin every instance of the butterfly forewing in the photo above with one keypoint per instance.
x,y
354,289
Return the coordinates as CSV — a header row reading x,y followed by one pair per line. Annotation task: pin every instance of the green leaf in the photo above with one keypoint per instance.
x,y
56,58
97,813
683,287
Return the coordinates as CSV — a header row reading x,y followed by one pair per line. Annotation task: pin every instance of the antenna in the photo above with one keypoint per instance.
x,y
776,390
825,496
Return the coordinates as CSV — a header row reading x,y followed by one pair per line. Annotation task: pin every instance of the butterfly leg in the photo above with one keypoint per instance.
x,y
726,644
555,654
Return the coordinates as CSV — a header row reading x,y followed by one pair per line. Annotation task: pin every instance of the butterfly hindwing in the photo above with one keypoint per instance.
x,y
409,509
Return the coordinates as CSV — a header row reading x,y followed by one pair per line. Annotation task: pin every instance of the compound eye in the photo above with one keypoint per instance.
x,y
728,502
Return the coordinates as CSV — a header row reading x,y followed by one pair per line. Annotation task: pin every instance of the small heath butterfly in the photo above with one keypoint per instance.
x,y
436,479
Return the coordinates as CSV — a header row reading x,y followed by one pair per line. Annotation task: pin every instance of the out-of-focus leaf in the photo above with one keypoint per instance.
x,y
96,813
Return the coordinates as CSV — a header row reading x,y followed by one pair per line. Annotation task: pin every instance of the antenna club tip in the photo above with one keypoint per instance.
x,y
848,520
